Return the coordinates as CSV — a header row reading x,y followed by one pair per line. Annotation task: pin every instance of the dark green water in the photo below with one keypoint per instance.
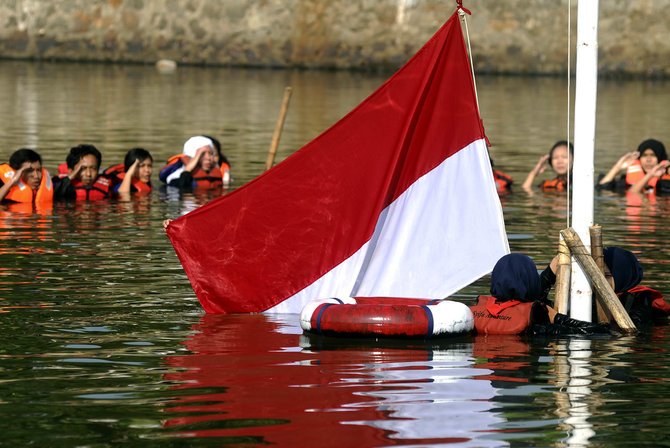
x,y
104,343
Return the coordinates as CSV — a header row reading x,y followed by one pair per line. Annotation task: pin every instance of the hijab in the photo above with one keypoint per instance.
x,y
515,277
625,269
654,145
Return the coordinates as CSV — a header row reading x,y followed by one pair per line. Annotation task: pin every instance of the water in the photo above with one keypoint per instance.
x,y
105,344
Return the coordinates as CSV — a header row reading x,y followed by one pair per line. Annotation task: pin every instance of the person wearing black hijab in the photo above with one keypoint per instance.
x,y
519,302
644,305
637,164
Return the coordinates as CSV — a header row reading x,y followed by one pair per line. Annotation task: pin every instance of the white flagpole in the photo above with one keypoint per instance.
x,y
586,83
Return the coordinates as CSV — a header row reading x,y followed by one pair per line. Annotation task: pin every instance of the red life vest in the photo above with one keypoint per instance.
x,y
510,317
203,180
99,189
117,173
558,184
22,192
503,181
658,302
635,173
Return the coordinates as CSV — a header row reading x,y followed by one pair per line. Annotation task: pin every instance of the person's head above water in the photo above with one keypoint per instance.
x,y
559,159
625,268
199,144
515,277
652,152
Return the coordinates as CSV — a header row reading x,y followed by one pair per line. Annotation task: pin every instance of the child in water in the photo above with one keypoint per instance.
x,y
560,159
134,174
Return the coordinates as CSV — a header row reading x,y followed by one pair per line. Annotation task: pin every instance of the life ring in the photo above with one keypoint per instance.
x,y
387,316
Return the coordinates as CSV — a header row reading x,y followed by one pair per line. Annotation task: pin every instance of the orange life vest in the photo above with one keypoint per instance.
x,y
203,180
99,189
22,192
503,181
117,173
510,317
558,184
635,173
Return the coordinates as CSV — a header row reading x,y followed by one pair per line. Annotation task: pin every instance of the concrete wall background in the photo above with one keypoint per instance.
x,y
508,36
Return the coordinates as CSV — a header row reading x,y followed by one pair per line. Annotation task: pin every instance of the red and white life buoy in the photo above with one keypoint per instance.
x,y
389,316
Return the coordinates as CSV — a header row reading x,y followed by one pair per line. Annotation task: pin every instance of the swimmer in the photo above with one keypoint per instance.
x,y
560,161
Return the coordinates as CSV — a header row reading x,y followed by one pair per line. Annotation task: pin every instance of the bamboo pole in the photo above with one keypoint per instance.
x,y
278,128
563,278
609,300
596,233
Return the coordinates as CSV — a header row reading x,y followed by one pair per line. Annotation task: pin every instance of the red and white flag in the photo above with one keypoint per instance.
x,y
396,199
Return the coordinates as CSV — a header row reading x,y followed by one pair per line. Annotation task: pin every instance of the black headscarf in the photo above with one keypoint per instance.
x,y
625,269
515,277
654,145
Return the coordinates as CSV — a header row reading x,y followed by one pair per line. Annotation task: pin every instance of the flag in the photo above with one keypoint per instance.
x,y
396,199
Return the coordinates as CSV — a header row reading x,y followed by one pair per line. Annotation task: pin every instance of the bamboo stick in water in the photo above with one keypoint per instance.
x,y
562,278
609,300
596,233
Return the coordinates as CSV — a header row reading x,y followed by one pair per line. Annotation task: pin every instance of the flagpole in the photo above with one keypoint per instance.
x,y
586,85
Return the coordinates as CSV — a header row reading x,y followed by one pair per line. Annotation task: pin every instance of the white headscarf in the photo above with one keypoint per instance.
x,y
194,143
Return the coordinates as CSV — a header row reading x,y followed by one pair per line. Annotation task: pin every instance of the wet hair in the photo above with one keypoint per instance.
x,y
23,155
561,143
140,154
654,145
80,151
217,147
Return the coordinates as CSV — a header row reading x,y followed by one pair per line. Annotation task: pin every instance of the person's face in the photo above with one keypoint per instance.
x,y
89,170
144,170
648,159
207,159
559,160
32,175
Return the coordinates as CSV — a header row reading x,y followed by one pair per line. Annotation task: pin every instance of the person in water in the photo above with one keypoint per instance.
x,y
637,164
644,305
519,301
133,175
195,168
559,159
24,180
82,181
221,161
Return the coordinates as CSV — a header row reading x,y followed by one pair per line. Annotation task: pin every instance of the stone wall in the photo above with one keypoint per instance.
x,y
508,36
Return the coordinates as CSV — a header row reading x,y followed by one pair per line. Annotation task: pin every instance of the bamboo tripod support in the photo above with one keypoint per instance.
x,y
596,233
562,278
606,295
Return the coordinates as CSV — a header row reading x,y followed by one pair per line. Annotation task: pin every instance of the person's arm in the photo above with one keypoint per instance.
x,y
657,171
623,163
63,188
539,169
126,185
4,190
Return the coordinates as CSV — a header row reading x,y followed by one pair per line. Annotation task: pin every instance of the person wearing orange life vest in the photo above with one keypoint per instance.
x,y
559,159
519,302
133,175
637,165
195,168
644,305
24,180
82,181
